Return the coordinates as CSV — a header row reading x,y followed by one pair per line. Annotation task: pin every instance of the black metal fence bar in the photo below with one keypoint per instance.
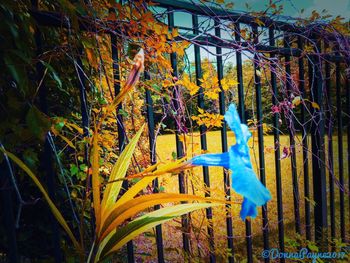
x,y
257,80
318,154
152,148
292,134
116,76
179,145
203,139
227,188
340,150
348,132
276,137
8,218
329,123
240,87
46,161
120,126
305,145
241,111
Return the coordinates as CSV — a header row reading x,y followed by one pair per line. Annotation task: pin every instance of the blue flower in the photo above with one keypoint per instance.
x,y
237,159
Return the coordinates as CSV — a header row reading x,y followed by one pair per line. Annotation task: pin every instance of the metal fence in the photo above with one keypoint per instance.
x,y
316,223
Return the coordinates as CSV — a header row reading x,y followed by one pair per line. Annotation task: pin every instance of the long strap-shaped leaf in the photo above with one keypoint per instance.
x,y
116,239
128,195
52,206
150,175
96,194
119,172
139,204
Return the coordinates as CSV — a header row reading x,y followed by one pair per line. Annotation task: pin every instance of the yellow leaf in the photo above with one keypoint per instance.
x,y
119,172
67,140
73,125
134,206
52,206
96,181
91,57
119,237
315,105
258,73
296,101
175,32
259,22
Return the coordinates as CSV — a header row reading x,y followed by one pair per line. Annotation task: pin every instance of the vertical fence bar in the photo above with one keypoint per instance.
x,y
276,136
6,191
120,126
292,140
340,150
116,76
203,139
46,157
179,145
318,156
348,131
220,70
304,144
152,148
241,111
259,109
329,117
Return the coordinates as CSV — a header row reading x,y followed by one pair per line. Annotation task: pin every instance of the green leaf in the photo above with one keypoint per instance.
x,y
73,169
53,74
38,123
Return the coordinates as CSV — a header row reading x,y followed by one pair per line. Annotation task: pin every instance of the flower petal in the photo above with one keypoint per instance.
x,y
241,130
244,180
248,209
215,159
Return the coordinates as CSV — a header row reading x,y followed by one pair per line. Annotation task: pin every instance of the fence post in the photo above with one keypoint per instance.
x,y
46,157
203,139
318,153
6,190
152,148
340,150
241,112
304,143
224,148
259,110
179,145
329,127
276,136
121,132
292,133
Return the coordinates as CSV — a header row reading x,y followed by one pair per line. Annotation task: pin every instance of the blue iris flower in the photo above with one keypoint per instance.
x,y
237,159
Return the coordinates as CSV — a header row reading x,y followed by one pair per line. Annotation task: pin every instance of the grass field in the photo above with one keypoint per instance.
x,y
171,233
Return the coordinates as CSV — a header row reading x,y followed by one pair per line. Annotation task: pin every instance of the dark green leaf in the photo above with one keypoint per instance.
x,y
38,123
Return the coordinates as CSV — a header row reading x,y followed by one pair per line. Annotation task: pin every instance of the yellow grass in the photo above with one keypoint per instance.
x,y
172,236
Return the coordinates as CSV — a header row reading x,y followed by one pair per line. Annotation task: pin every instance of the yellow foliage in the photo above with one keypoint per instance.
x,y
190,86
208,119
227,83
